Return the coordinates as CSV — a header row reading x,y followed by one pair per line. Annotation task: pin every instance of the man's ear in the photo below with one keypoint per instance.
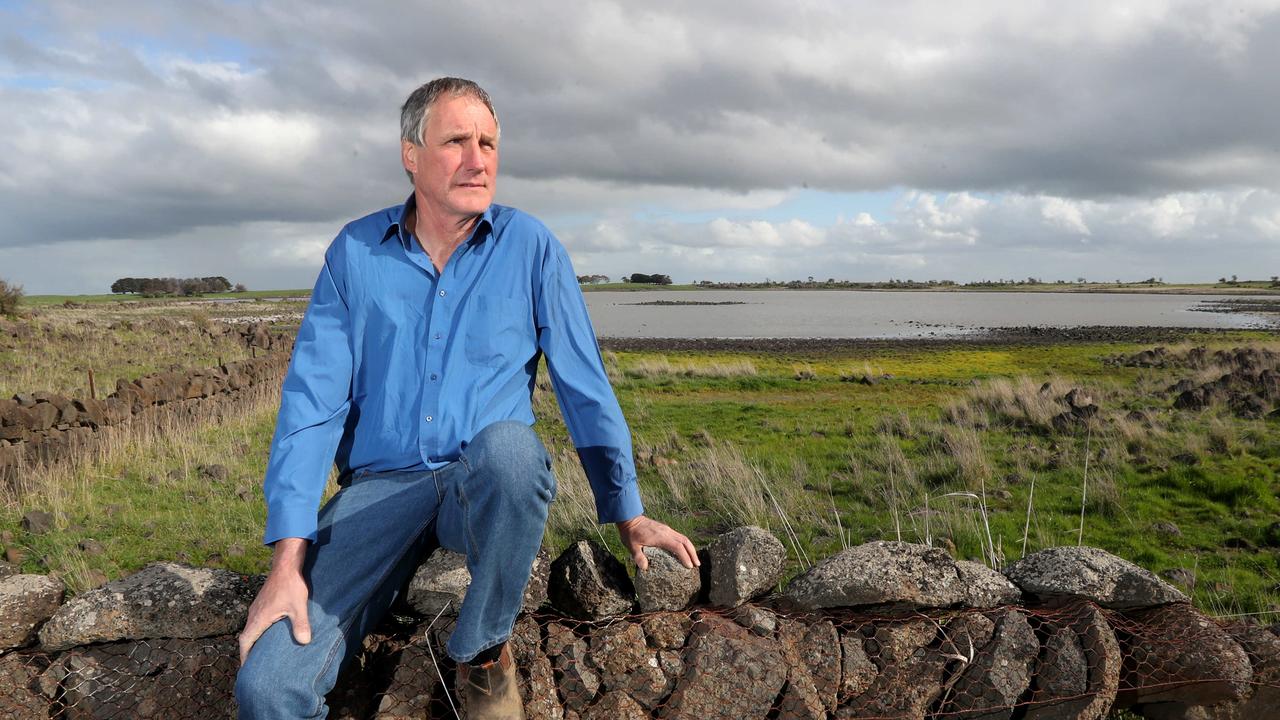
x,y
408,157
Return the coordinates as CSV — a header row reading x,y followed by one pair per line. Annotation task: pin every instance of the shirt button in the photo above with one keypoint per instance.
x,y
433,376
437,336
441,293
428,418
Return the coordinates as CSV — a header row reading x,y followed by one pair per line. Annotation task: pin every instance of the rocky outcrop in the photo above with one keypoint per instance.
x,y
897,573
165,600
1093,574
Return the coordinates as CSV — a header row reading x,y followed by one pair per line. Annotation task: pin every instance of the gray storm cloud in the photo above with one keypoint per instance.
x,y
1082,129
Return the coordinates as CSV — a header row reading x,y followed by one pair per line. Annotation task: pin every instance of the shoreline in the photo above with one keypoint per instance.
x,y
995,337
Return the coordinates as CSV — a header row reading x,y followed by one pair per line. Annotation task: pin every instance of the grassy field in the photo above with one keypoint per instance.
x,y
58,345
953,446
124,299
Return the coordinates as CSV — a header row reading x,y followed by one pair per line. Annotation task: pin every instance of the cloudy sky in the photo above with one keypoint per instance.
x,y
720,140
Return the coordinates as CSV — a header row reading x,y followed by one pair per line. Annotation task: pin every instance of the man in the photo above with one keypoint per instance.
x,y
414,368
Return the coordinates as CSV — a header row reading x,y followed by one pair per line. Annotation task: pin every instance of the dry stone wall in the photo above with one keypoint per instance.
x,y
1080,634
42,427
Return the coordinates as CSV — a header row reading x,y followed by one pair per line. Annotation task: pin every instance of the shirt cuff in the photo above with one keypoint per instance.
x,y
623,505
283,524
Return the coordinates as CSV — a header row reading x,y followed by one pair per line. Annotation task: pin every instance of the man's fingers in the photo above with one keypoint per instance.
x,y
693,553
248,637
301,626
638,557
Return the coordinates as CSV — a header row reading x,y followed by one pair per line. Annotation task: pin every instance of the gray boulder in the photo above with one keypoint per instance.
x,y
588,583
729,674
440,583
742,564
25,602
19,688
666,584
990,686
169,678
1179,655
163,600
897,573
1093,574
1079,673
985,587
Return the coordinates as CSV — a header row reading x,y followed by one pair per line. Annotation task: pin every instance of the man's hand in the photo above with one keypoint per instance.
x,y
640,532
283,595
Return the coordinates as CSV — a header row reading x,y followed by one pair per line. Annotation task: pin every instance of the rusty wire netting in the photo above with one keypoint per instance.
x,y
1071,661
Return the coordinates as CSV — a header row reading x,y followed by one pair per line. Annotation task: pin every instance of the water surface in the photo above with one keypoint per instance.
x,y
889,314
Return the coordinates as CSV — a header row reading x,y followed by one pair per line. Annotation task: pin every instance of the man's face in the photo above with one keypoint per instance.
x,y
455,167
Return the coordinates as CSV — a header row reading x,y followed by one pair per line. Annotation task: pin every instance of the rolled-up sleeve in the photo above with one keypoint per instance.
x,y
587,403
314,402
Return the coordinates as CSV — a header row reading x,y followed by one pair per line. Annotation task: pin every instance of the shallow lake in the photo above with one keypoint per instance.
x,y
889,314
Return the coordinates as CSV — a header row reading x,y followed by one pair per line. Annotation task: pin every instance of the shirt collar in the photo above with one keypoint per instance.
x,y
483,228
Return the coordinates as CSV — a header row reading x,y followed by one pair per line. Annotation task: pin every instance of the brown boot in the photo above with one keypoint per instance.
x,y
490,691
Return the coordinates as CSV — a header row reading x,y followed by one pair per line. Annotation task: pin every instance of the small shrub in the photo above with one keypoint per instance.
x,y
10,298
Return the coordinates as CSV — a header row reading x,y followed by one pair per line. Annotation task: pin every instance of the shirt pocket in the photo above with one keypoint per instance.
x,y
499,331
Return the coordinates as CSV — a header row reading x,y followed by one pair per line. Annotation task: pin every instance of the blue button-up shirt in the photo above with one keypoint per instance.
x,y
396,366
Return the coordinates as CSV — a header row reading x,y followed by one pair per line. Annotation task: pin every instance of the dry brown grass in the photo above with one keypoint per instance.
x,y
661,366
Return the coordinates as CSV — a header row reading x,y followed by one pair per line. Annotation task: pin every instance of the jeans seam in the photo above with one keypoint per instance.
x,y
324,670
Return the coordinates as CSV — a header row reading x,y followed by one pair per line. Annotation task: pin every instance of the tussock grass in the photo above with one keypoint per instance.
x,y
661,366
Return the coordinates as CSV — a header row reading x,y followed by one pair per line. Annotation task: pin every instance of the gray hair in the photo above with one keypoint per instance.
x,y
414,112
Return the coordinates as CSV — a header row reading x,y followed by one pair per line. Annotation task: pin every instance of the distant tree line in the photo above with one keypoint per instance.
x,y
592,279
648,279
174,286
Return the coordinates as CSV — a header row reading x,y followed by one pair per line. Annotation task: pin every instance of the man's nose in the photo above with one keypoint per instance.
x,y
473,156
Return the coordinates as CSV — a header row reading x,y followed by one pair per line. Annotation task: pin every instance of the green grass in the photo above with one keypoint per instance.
x,y
726,438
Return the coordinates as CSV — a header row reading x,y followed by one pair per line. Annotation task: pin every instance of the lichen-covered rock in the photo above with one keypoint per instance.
x,y
440,583
743,563
666,584
163,600
413,684
587,582
758,620
910,677
25,602
812,649
616,705
729,674
1092,574
1058,695
1176,654
20,695
1263,699
990,685
856,669
984,587
667,630
578,679
886,572
162,679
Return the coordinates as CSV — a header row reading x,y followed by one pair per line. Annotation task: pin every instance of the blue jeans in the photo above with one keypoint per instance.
x,y
491,505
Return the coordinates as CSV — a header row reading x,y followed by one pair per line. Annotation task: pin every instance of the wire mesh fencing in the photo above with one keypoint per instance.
x,y
1075,660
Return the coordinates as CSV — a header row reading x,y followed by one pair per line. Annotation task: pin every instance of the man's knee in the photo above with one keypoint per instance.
x,y
511,454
